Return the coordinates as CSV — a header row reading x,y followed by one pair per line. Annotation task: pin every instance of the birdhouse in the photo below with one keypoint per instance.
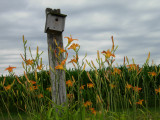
x,y
55,21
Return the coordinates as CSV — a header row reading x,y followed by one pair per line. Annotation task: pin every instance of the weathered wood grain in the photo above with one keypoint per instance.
x,y
58,85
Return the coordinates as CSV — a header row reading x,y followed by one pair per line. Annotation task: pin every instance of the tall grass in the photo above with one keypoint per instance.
x,y
127,92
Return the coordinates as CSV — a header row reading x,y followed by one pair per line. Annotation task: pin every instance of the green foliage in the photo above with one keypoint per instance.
x,y
107,92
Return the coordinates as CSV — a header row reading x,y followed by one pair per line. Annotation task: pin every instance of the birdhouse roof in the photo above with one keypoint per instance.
x,y
55,12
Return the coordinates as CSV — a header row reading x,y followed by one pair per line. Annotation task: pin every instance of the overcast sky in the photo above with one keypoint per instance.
x,y
135,26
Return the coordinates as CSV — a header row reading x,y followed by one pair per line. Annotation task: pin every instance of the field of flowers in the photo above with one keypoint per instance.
x,y
128,92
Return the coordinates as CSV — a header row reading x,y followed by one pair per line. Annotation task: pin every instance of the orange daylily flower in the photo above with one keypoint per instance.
x,y
157,91
136,89
93,111
29,62
82,87
40,96
39,67
90,85
32,82
140,102
36,87
152,73
33,88
49,89
133,67
112,86
108,54
8,87
62,63
10,69
70,39
128,86
60,67
87,103
70,96
69,83
116,70
73,46
61,50
72,60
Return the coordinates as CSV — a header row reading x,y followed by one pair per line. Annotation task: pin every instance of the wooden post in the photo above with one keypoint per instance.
x,y
54,27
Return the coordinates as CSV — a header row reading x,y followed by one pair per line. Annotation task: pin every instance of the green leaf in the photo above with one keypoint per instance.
x,y
49,113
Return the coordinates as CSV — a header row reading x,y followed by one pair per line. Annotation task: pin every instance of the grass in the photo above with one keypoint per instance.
x,y
141,115
127,92
14,116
